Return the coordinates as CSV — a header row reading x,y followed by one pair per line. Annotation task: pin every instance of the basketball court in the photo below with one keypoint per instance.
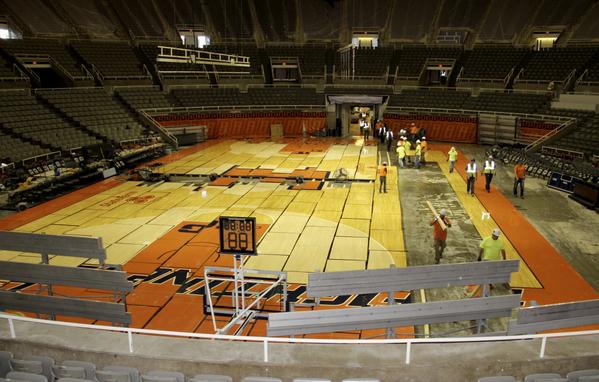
x,y
164,234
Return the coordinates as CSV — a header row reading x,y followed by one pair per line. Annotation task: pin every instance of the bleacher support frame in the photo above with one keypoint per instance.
x,y
50,275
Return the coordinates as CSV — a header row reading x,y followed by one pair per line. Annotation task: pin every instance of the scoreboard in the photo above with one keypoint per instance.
x,y
237,235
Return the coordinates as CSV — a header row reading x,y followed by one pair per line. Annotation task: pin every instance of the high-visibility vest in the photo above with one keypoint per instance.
x,y
489,166
418,150
383,171
401,152
453,155
471,169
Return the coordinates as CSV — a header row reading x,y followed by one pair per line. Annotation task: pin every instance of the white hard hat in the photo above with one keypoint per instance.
x,y
423,138
384,163
418,141
496,232
443,212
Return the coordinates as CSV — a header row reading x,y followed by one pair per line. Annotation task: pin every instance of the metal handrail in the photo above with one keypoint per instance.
x,y
60,68
98,73
432,110
166,135
238,108
46,156
550,134
269,340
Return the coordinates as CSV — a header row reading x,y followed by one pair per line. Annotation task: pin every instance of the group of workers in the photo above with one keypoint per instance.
x,y
490,248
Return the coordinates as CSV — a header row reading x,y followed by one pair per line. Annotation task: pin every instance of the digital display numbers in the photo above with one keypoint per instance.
x,y
237,235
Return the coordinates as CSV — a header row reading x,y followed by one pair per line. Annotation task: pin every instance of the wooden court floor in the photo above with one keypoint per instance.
x,y
334,227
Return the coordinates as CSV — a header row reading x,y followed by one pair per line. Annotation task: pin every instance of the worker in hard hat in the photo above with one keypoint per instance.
x,y
383,177
440,234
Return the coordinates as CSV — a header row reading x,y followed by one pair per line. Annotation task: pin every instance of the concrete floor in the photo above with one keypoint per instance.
x,y
416,187
570,227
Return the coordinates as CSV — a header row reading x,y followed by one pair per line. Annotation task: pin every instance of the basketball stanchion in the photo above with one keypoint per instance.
x,y
238,238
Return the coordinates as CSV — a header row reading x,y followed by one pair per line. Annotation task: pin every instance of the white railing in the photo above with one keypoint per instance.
x,y
550,134
231,108
432,110
408,342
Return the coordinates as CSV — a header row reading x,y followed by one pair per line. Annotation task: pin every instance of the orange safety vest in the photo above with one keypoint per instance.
x,y
383,171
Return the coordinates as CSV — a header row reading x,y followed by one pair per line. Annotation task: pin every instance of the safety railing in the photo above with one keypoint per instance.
x,y
166,136
534,145
21,76
53,154
183,74
60,68
266,341
230,108
432,110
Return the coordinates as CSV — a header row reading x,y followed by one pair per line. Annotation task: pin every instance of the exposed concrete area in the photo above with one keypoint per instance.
x,y
570,227
416,187
428,362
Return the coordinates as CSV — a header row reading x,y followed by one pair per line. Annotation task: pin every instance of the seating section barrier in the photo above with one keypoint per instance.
x,y
248,124
437,128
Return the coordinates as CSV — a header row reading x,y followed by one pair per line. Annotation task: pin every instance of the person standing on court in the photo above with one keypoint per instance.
x,y
408,146
366,129
401,153
424,145
492,248
470,176
382,133
452,156
519,175
389,139
383,177
489,171
417,154
440,234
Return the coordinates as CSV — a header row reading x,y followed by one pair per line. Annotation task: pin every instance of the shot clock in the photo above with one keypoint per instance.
x,y
237,235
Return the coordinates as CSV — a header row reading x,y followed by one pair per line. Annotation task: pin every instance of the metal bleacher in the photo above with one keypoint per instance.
x,y
390,281
534,319
51,248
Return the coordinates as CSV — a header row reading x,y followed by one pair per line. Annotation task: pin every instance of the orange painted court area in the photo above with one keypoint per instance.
x,y
560,281
168,272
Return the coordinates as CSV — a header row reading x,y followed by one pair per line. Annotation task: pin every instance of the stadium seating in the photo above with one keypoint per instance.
x,y
143,97
96,110
491,62
311,57
208,96
231,96
413,57
114,60
24,115
284,96
53,48
441,99
555,64
585,138
508,102
8,74
368,62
